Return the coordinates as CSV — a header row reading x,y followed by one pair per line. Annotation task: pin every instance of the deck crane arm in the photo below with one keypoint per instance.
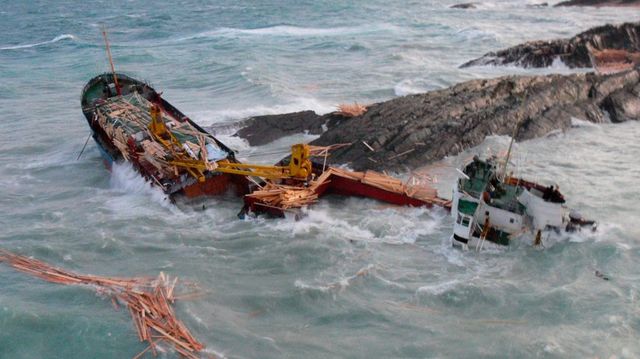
x,y
299,166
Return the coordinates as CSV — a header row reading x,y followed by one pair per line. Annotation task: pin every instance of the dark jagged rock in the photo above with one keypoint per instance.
x,y
574,52
470,5
599,3
411,131
538,5
261,130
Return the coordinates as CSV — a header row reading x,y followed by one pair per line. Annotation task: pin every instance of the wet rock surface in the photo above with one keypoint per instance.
x,y
411,131
470,5
574,52
260,130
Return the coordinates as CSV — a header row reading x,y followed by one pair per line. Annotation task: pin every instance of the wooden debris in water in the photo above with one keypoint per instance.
x,y
351,110
149,301
285,197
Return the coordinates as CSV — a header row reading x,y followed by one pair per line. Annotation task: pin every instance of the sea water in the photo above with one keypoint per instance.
x,y
354,278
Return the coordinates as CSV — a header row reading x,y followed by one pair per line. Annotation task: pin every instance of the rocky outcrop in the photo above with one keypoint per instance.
x,y
470,5
412,131
598,3
573,52
260,130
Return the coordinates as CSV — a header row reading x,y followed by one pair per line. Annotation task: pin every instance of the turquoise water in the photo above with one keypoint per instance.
x,y
354,278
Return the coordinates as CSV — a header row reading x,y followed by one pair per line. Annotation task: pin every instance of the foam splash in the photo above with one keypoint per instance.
x,y
408,87
577,122
54,40
124,178
404,225
322,219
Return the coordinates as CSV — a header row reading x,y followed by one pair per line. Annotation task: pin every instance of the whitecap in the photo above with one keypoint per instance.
x,y
407,87
55,39
577,122
439,288
292,31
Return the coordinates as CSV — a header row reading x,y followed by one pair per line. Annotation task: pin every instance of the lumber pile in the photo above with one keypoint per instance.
x,y
418,190
351,110
148,299
126,120
284,197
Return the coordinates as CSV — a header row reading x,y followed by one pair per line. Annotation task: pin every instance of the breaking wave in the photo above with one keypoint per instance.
x,y
125,179
211,117
292,31
54,40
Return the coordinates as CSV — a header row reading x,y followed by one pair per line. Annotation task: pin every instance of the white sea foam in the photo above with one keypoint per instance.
x,y
577,122
126,179
320,218
438,288
207,118
293,31
26,46
344,282
408,87
403,225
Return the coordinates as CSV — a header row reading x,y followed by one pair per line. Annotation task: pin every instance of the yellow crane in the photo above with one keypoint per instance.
x,y
299,166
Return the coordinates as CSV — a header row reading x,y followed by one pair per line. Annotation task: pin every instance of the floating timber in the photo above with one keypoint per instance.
x,y
149,301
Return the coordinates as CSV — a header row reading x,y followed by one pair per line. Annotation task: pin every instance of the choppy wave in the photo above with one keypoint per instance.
x,y
292,31
54,40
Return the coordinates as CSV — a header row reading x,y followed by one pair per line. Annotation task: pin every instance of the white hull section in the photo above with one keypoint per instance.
x,y
543,214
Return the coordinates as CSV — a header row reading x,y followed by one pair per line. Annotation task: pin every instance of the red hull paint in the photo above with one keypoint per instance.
x,y
347,187
217,185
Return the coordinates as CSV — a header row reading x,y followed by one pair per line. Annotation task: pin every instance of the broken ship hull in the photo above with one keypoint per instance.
x,y
101,94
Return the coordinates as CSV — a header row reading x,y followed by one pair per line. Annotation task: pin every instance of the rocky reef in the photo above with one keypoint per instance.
x,y
412,131
574,52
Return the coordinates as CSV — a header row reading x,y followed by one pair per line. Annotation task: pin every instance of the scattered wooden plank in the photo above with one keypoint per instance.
x,y
402,153
147,299
369,147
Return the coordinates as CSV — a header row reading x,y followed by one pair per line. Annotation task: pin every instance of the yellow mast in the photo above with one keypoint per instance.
x,y
113,68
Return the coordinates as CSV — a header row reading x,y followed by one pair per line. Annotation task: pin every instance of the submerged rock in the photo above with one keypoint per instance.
x,y
411,131
573,52
538,5
470,5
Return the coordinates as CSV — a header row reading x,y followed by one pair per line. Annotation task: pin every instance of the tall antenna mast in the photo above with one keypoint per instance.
x,y
513,138
113,68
